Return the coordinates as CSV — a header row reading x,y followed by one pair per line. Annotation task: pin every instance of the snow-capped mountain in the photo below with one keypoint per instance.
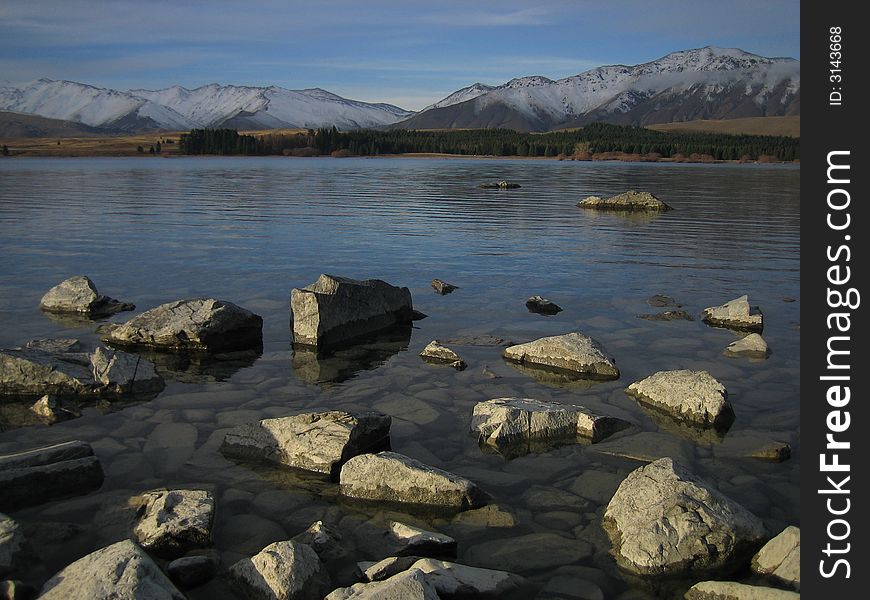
x,y
177,108
704,83
467,93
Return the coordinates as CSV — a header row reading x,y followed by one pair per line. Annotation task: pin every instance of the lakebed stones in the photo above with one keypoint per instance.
x,y
395,478
781,558
663,520
122,571
172,522
542,306
573,353
11,541
505,421
695,397
753,346
68,368
323,539
334,310
627,201
35,476
78,295
196,325
442,287
285,570
319,441
434,352
668,315
735,314
732,590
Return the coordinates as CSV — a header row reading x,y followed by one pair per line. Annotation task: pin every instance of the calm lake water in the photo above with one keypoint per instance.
x,y
249,230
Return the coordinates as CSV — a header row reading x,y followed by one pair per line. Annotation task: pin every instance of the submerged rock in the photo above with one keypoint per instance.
x,y
52,409
323,539
753,345
630,200
122,571
284,570
668,315
735,314
35,476
540,305
172,522
663,520
662,301
192,571
436,353
781,558
692,396
442,287
334,310
198,324
503,421
67,368
413,541
732,590
11,541
573,352
319,441
500,185
79,295
393,477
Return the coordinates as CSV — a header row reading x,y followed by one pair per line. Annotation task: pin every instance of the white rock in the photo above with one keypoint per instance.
x,y
751,345
781,558
386,568
392,477
452,578
121,571
735,314
407,585
284,570
731,590
693,396
409,540
175,521
319,441
664,520
573,352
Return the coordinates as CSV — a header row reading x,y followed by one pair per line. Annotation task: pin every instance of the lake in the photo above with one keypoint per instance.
x,y
248,230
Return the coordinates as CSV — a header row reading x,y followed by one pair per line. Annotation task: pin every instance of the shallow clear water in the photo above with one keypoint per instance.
x,y
248,230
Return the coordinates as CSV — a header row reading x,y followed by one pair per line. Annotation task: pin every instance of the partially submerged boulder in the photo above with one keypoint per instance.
x,y
753,345
543,306
68,368
663,520
735,314
197,324
628,201
323,539
52,409
78,295
172,522
393,477
318,441
692,396
732,590
668,315
434,352
334,310
442,287
574,353
285,570
505,421
122,571
407,540
781,558
35,476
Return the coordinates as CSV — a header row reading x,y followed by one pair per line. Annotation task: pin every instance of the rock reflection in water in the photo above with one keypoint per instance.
x,y
327,367
520,446
200,367
565,380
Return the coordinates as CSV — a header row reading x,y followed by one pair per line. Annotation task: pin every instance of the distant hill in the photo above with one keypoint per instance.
x,y
20,125
785,126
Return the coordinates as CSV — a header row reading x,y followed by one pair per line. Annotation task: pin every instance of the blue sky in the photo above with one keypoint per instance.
x,y
407,53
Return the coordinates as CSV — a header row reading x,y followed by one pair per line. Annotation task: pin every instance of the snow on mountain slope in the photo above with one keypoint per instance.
x,y
467,93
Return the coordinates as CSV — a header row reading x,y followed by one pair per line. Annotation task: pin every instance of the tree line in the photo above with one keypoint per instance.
x,y
596,140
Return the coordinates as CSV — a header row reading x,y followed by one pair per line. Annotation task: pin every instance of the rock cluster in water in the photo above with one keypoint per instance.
x,y
628,201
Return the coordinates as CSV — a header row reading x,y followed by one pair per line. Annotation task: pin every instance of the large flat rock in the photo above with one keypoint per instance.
x,y
627,201
173,522
663,520
334,310
781,558
320,441
79,295
393,477
197,324
692,396
735,314
122,571
285,570
574,352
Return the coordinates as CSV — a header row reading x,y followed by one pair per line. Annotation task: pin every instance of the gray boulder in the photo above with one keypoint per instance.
x,y
735,314
35,476
540,305
628,201
171,522
198,324
663,520
732,590
66,367
407,585
753,345
122,571
506,420
434,352
333,309
692,396
79,295
11,540
573,352
442,287
284,570
320,441
392,477
781,558
407,540
386,568
192,571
